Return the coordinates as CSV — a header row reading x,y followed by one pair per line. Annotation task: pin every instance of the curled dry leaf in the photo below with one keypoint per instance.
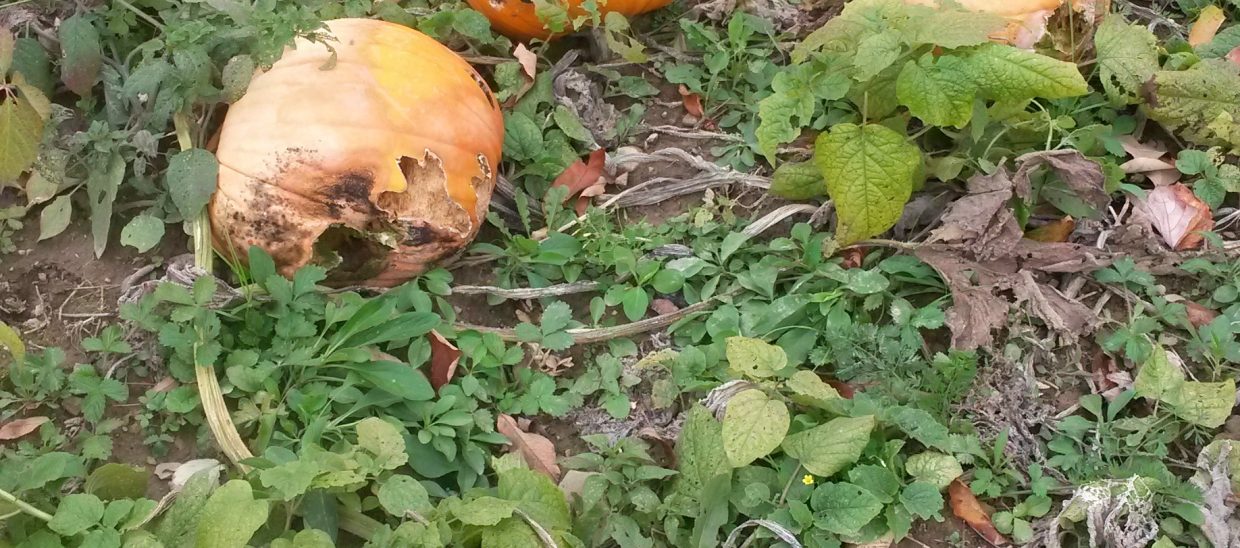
x,y
444,357
1178,215
581,176
1149,159
692,102
845,390
853,257
15,429
527,58
1206,26
966,507
165,384
1199,315
663,306
1056,231
538,451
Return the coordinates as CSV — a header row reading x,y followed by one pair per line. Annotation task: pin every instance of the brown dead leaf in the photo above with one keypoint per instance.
x,y
165,384
1178,215
692,102
17,428
1199,315
1057,231
845,390
1082,175
1101,367
966,507
853,257
581,176
444,357
982,217
1233,56
1206,26
527,59
663,306
538,451
1149,159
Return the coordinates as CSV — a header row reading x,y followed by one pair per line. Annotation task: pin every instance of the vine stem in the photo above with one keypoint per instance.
x,y
24,506
142,14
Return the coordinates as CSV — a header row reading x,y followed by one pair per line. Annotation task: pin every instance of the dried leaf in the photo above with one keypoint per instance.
x,y
853,257
538,451
982,217
582,175
165,385
1056,310
20,427
1177,214
444,357
527,59
966,507
1082,175
845,390
1056,231
1199,315
1206,26
1137,149
692,102
663,306
1101,367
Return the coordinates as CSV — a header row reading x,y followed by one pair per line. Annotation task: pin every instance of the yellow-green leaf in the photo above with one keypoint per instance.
x,y
12,342
753,426
798,181
940,92
755,358
21,129
869,171
830,447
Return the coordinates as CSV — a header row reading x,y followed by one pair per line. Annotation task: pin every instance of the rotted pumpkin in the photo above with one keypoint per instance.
x,y
375,163
518,19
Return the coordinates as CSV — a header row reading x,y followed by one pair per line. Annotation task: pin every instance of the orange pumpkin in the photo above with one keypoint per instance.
x,y
517,19
376,162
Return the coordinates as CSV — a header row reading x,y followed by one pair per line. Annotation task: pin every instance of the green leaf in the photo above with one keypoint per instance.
x,y
191,177
31,61
309,538
830,447
81,54
12,342
21,130
755,358
523,139
843,508
934,468
798,181
76,514
101,186
55,217
383,440
485,511
869,171
114,481
1127,57
230,517
952,28
1005,73
880,481
397,379
289,480
753,426
1201,104
1158,378
537,496
236,77
780,114
179,522
939,92
402,494
143,232
809,389
699,452
1206,404
922,499
875,53
570,124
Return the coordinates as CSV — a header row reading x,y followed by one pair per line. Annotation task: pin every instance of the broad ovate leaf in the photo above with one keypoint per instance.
x,y
21,129
81,54
755,358
938,91
191,178
869,171
1127,57
934,468
1206,404
142,232
1008,74
798,181
230,517
699,452
753,426
1200,104
832,446
809,389
843,508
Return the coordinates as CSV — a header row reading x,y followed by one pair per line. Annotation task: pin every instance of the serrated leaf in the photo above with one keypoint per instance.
x,y
830,447
1201,104
81,54
869,171
843,508
780,115
809,389
485,511
1127,57
875,53
21,130
230,517
1206,404
143,232
191,178
383,440
753,426
55,217
1005,73
755,358
798,181
922,499
401,494
939,92
76,514
1158,378
934,468
289,480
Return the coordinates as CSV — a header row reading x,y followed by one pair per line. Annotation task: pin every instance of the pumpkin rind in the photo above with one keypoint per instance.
x,y
517,19
384,156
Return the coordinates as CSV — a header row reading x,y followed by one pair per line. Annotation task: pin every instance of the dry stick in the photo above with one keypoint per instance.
x,y
600,334
525,293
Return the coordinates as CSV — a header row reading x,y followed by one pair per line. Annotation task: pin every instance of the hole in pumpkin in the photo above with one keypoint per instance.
x,y
350,255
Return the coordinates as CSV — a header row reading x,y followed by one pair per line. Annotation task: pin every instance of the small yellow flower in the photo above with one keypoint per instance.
x,y
807,479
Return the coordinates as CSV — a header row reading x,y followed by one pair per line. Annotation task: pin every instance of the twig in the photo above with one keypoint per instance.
x,y
600,334
547,540
526,293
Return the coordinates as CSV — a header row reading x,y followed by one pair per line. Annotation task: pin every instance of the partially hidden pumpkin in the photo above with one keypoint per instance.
x,y
518,19
373,155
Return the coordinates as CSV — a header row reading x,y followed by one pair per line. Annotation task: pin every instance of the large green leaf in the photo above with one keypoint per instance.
x,y
21,129
755,358
843,508
753,426
1005,73
934,468
1127,57
869,171
940,92
830,447
81,54
1201,104
191,180
699,452
230,517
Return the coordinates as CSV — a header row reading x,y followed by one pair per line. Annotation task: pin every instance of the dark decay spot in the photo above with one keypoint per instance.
x,y
486,90
352,188
418,235
349,255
